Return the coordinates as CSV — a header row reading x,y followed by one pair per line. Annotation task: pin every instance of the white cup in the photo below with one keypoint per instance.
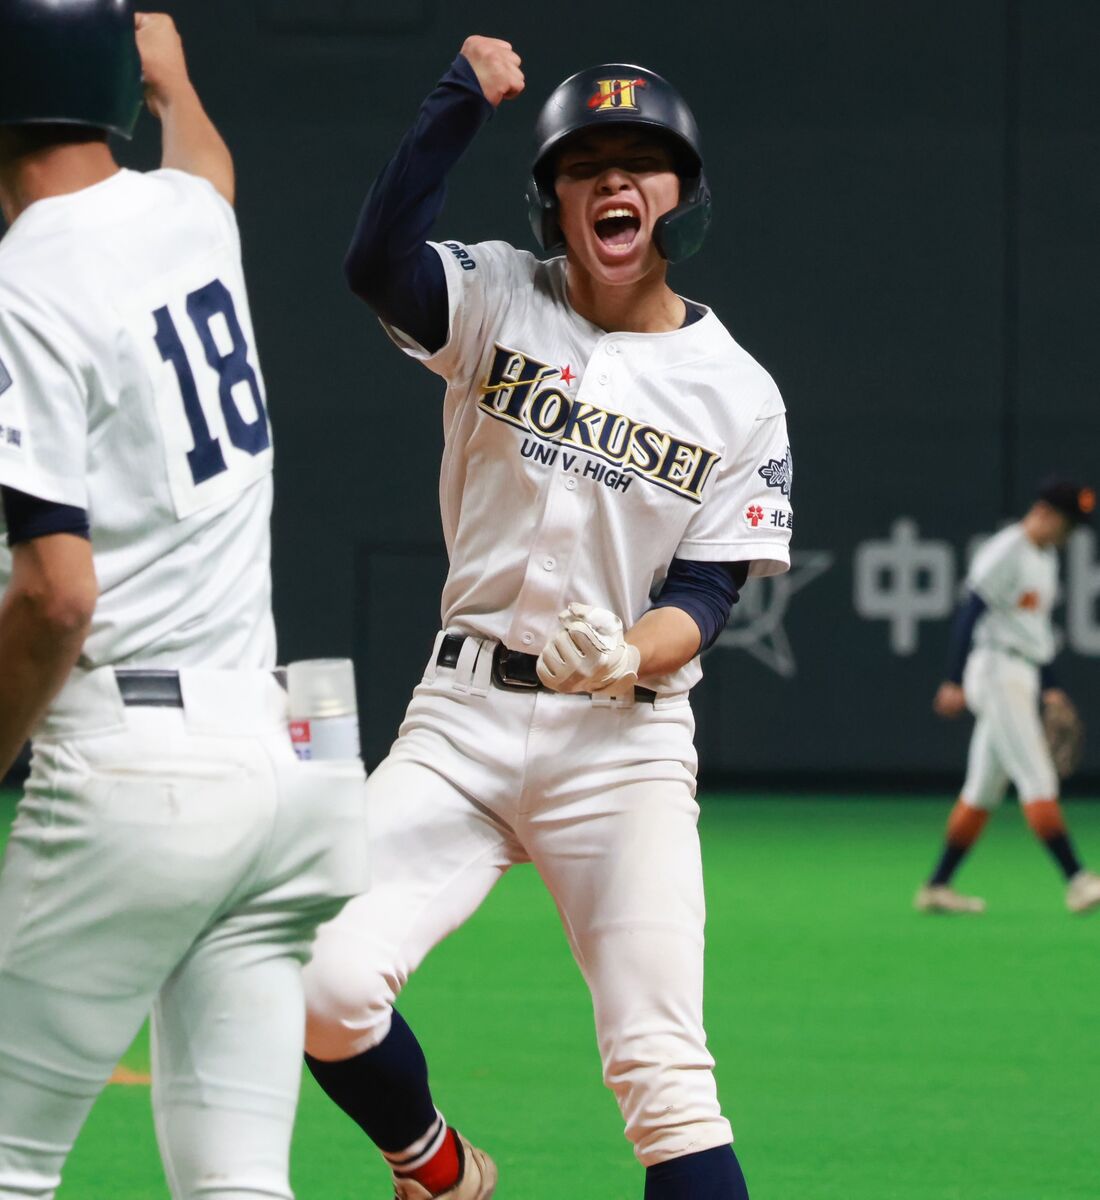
x,y
324,718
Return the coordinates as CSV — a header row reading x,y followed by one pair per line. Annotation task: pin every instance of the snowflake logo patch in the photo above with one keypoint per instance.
x,y
778,473
5,378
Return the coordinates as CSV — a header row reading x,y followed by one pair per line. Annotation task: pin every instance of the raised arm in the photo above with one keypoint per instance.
x,y
389,264
189,140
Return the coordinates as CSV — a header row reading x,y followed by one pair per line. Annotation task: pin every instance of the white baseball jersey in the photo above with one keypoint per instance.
x,y
1019,583
579,463
130,387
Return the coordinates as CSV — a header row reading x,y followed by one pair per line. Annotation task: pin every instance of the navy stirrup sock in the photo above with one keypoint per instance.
x,y
384,1090
709,1175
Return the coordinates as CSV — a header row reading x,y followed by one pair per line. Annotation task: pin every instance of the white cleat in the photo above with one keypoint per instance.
x,y
477,1180
938,897
1083,892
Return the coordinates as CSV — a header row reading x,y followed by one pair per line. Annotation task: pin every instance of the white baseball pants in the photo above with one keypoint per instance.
x,y
1002,691
182,856
600,799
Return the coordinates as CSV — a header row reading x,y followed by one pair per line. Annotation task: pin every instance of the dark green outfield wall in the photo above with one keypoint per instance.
x,y
906,236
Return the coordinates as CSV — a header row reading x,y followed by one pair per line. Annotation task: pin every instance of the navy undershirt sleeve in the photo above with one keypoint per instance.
x,y
28,517
389,264
962,635
706,591
1048,677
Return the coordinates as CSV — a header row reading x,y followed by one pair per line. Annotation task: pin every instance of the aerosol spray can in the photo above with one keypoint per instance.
x,y
324,718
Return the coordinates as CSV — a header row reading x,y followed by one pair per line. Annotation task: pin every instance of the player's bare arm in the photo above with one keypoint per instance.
x,y
497,67
191,143
666,639
44,619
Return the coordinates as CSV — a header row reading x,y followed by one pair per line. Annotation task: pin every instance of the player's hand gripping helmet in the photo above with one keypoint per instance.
x,y
69,62
616,95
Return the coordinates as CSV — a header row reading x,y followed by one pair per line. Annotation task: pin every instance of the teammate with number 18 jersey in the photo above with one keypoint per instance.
x,y
108,331
170,853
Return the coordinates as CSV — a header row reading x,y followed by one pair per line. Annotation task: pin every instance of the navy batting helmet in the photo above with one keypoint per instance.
x,y
69,62
617,95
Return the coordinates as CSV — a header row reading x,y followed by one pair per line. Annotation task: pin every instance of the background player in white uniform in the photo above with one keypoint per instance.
x,y
1012,588
169,846
605,440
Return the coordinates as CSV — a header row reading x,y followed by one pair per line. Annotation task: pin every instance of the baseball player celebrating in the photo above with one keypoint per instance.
x,y
169,846
1011,590
615,467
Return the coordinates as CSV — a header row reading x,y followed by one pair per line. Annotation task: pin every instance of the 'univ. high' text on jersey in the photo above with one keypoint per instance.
x,y
579,463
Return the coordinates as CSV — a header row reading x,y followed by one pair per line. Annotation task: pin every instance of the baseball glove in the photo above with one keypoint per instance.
x,y
1065,734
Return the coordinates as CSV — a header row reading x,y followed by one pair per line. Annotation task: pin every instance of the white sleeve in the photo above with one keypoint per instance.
x,y
480,279
201,187
747,516
993,574
43,414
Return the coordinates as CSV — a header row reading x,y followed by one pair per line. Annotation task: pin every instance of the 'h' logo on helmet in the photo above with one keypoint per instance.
x,y
615,94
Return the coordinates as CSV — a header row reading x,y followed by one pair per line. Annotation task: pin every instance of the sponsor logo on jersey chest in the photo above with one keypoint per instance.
x,y
523,392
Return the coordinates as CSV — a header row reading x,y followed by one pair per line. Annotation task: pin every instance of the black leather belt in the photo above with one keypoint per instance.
x,y
513,670
160,689
149,689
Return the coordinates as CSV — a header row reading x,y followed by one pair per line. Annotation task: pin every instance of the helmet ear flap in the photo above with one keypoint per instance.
x,y
542,212
680,233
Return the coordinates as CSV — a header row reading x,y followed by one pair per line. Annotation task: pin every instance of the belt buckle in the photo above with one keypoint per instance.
x,y
509,682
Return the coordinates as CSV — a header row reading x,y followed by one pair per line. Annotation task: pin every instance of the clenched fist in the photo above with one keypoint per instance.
x,y
497,67
163,66
589,654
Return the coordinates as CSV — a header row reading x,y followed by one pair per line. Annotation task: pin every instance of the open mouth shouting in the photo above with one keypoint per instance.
x,y
617,227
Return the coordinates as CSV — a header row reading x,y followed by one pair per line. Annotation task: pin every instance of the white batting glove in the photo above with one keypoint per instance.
x,y
589,653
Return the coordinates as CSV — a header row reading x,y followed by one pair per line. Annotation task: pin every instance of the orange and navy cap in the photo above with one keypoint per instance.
x,y
1073,500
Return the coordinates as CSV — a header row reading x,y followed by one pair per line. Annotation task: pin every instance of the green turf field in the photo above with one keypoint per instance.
x,y
865,1052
